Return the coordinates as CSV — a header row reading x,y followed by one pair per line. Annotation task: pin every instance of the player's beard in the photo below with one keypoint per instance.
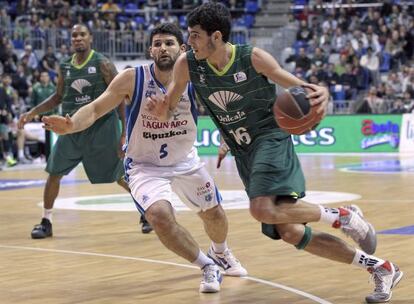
x,y
166,65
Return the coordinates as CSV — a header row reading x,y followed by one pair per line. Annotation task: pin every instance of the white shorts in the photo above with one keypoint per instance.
x,y
195,188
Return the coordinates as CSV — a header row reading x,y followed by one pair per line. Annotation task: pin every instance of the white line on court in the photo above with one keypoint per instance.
x,y
290,289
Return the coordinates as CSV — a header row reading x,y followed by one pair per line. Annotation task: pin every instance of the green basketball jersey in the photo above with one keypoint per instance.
x,y
82,83
238,98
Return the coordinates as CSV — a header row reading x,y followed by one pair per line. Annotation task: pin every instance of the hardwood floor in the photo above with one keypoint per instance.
x,y
100,256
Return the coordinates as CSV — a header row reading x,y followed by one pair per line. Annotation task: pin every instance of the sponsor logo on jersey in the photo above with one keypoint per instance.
x,y
223,98
149,93
172,133
83,99
239,77
79,84
91,70
163,124
229,119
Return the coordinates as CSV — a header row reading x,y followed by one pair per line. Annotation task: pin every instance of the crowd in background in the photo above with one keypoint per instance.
x,y
365,55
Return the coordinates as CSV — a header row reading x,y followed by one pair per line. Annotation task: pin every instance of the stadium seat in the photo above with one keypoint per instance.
x,y
131,9
251,7
385,62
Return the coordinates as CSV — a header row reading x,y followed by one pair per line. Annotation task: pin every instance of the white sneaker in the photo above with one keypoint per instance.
x,y
385,277
354,225
211,279
228,262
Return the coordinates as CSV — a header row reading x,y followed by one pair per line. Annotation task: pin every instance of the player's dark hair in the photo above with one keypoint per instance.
x,y
211,17
170,29
83,25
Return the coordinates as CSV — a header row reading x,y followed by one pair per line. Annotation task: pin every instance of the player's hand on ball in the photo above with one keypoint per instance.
x,y
319,96
58,124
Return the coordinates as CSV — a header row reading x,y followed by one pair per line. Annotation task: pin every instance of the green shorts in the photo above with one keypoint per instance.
x,y
271,167
97,149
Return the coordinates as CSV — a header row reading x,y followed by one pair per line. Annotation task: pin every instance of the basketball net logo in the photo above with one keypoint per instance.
x,y
223,98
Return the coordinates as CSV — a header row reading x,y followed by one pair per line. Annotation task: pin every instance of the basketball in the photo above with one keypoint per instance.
x,y
293,112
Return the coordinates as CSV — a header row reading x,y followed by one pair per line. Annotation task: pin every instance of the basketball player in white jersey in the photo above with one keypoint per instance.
x,y
161,155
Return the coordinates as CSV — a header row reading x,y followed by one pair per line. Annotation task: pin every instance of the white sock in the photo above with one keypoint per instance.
x,y
364,260
47,213
219,247
202,260
329,215
20,154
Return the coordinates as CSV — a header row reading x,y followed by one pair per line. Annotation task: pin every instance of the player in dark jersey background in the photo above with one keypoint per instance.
x,y
232,83
81,79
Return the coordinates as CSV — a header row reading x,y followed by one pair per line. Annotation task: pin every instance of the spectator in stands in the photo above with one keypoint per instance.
x,y
110,7
330,24
371,62
30,57
376,104
41,91
96,23
398,107
338,40
394,46
151,10
348,81
304,34
6,117
331,77
62,53
5,20
303,62
394,82
319,58
49,63
22,84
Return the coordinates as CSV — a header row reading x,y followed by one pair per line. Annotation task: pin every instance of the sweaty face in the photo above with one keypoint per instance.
x,y
200,42
81,39
165,50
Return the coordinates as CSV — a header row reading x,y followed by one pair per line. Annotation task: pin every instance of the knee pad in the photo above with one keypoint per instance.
x,y
305,239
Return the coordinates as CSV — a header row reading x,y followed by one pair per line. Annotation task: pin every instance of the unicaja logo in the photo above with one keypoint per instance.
x,y
79,84
223,98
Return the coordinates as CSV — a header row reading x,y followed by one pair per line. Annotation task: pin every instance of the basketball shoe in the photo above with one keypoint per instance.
x,y
354,225
42,230
212,279
228,262
385,277
146,227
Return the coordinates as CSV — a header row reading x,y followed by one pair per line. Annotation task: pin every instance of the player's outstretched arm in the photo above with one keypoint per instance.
x,y
265,64
121,87
163,106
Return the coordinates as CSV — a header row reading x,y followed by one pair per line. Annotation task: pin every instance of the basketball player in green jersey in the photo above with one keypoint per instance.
x,y
232,83
81,79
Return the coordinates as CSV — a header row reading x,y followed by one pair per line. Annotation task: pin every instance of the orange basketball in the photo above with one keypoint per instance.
x,y
293,112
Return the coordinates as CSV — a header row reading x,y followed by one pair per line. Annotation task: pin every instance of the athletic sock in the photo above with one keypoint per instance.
x,y
219,247
329,215
47,213
202,260
364,260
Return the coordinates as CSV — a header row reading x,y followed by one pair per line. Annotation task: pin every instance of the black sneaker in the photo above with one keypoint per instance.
x,y
42,230
146,227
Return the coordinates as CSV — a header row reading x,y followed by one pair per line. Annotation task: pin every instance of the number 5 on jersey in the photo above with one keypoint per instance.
x,y
163,151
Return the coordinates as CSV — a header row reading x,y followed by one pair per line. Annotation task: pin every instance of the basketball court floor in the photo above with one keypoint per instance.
x,y
98,254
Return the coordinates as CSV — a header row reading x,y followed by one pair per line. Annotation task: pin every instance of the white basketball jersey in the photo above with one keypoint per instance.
x,y
154,143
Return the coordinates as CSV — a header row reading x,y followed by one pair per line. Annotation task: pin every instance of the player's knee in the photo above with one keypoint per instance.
x,y
160,217
291,234
263,209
